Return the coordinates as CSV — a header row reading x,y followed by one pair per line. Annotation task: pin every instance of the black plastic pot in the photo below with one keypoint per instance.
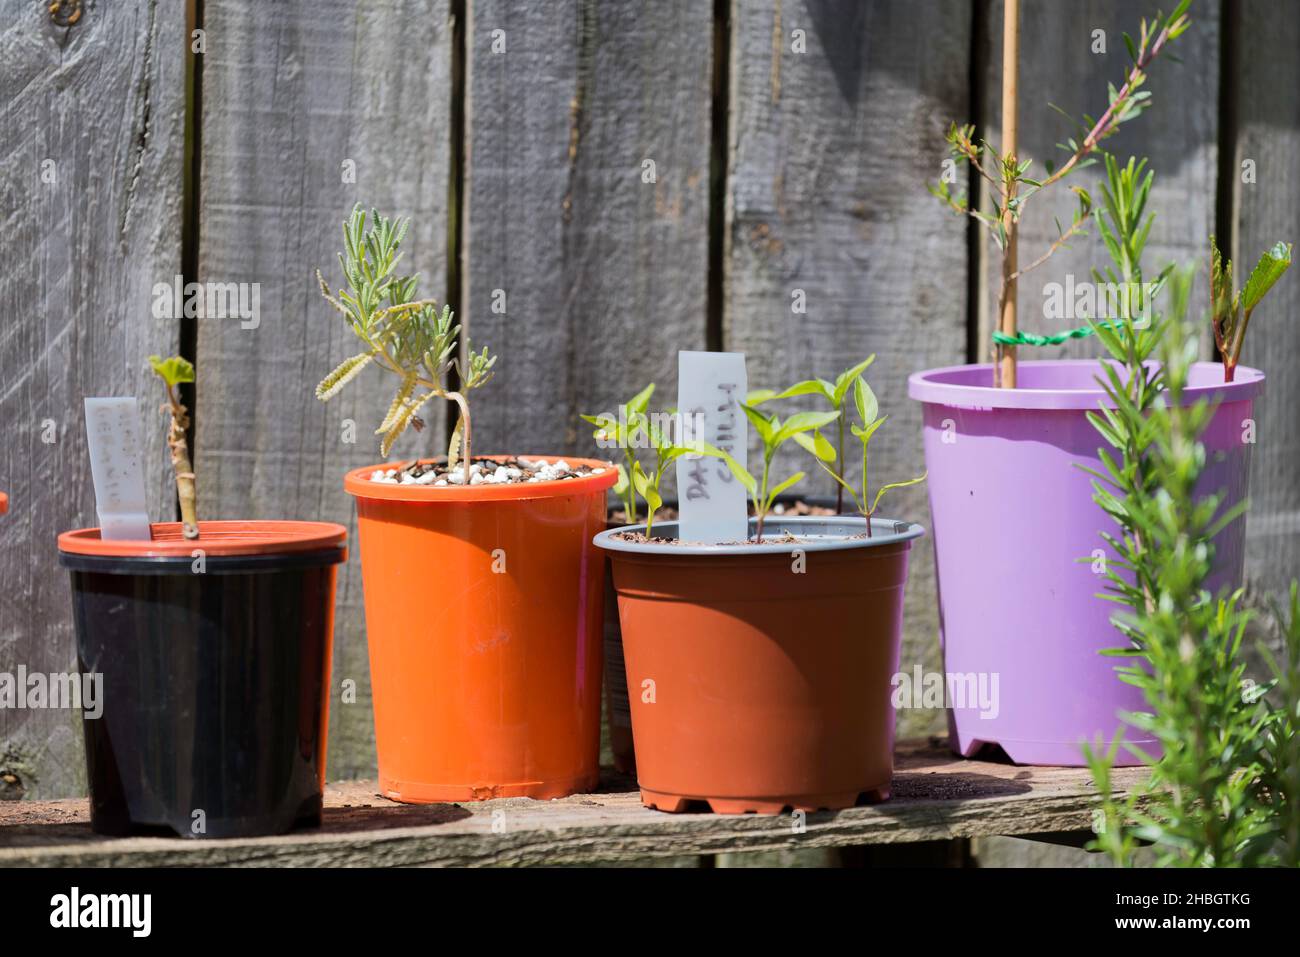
x,y
215,684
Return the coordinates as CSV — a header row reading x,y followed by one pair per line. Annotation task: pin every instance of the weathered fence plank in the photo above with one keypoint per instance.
x,y
294,103
1067,62
836,125
1268,193
586,267
91,141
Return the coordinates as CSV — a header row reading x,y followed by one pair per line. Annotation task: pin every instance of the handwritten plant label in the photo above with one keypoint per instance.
x,y
712,504
112,431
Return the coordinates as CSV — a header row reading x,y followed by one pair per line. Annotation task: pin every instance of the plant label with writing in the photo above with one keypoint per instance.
x,y
712,504
112,433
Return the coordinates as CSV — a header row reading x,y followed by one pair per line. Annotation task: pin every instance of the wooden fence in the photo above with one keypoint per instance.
x,y
594,186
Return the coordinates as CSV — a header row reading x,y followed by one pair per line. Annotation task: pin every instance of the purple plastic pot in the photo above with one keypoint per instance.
x,y
1013,515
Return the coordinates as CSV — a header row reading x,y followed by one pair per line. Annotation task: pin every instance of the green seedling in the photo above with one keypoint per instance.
x,y
622,430
1230,311
666,453
869,421
834,393
175,371
409,337
634,421
774,433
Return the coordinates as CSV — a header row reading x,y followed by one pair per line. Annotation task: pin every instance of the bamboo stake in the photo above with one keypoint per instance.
x,y
1006,378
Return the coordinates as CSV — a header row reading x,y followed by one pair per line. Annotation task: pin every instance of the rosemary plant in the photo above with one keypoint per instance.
x,y
1224,790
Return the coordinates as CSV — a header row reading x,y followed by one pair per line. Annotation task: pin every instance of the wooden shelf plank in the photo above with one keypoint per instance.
x,y
936,796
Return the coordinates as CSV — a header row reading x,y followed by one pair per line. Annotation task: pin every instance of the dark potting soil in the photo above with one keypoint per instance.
x,y
639,538
669,514
512,470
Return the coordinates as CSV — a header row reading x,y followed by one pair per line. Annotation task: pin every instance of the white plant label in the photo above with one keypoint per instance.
x,y
712,504
112,431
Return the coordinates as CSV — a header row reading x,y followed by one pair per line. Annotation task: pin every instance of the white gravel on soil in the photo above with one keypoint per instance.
x,y
538,470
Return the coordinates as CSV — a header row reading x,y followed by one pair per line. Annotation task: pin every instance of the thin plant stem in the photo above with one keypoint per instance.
x,y
185,485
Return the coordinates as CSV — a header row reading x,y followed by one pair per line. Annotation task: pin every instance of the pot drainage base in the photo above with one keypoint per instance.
x,y
679,804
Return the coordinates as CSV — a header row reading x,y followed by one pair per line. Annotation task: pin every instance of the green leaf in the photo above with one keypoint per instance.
x,y
603,422
840,479
792,480
817,444
175,370
866,434
803,422
808,387
641,401
1268,271
865,400
395,408
764,424
740,472
330,386
652,497
885,488
402,421
848,377
661,442
640,481
700,447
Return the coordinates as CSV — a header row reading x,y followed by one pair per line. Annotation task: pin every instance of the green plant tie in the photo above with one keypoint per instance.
x,y
1030,339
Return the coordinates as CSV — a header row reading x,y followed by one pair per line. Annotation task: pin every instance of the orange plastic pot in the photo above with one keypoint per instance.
x,y
4,503
761,675
483,615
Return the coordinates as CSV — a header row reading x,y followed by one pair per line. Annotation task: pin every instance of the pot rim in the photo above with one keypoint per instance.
x,y
357,483
216,539
935,386
885,531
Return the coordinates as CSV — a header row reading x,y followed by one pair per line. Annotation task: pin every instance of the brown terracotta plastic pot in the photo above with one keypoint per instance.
x,y
757,686
483,615
618,714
